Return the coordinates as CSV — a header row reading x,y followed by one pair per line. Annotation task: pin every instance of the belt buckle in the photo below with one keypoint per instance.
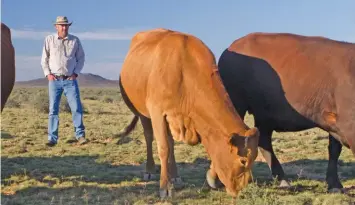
x,y
61,77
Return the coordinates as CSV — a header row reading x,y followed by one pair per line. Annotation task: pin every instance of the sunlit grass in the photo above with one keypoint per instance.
x,y
102,172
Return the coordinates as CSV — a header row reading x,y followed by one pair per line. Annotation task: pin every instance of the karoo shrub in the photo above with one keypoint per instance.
x,y
40,103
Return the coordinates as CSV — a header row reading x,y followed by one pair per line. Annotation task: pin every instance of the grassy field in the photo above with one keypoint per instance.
x,y
102,172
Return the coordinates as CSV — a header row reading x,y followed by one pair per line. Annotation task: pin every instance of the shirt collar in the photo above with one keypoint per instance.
x,y
67,37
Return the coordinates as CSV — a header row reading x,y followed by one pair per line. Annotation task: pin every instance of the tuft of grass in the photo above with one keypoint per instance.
x,y
90,98
107,99
255,194
13,103
40,102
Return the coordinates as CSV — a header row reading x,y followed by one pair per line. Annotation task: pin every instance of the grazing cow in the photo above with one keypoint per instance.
x,y
291,83
7,64
170,81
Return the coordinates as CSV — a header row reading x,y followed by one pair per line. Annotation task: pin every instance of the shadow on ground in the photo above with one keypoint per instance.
x,y
137,194
107,178
89,170
83,168
5,135
83,180
306,169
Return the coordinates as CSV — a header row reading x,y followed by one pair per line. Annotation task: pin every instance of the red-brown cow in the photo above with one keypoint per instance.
x,y
169,81
7,64
291,83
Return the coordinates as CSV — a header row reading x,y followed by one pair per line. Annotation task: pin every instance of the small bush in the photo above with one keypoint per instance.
x,y
40,103
107,99
90,98
12,103
253,194
64,106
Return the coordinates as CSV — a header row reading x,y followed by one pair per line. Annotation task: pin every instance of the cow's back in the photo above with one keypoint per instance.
x,y
7,64
153,63
154,66
298,56
291,82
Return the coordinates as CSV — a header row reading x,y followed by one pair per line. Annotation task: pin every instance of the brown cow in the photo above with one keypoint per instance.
x,y
292,83
7,64
170,81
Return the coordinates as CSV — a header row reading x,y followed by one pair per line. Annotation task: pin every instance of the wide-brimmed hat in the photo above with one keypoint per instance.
x,y
62,20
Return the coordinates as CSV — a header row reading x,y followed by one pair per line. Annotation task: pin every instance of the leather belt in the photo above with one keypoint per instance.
x,y
64,77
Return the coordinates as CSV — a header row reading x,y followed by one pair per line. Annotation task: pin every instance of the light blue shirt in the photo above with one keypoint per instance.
x,y
62,56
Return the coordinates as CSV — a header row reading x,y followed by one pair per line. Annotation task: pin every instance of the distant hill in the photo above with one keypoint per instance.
x,y
84,80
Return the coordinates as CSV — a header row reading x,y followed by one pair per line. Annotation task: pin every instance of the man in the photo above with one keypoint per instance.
x,y
62,60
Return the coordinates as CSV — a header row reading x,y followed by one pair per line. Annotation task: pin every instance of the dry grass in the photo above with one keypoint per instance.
x,y
102,172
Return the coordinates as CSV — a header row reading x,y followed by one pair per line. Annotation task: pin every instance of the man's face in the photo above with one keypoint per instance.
x,y
62,30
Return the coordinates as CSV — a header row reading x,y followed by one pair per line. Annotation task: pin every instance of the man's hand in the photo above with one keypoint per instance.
x,y
50,77
72,77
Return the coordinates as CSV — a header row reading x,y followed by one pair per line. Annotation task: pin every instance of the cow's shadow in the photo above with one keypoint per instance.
x,y
5,135
104,180
305,169
90,169
53,171
81,168
59,169
87,175
86,194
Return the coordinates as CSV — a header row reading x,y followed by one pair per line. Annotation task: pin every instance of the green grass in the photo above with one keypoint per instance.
x,y
102,172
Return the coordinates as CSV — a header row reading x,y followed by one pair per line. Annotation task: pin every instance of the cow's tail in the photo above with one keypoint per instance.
x,y
128,129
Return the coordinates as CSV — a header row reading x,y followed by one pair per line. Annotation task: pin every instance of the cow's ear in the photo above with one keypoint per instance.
x,y
253,136
238,140
249,140
242,139
252,132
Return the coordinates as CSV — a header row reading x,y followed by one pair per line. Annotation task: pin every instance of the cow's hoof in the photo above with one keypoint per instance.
x,y
171,192
177,182
166,193
336,191
148,176
213,181
284,184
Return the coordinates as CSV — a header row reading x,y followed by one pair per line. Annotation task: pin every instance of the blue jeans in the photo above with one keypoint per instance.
x,y
71,91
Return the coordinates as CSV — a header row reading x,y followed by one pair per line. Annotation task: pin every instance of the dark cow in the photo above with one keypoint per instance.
x,y
7,64
292,83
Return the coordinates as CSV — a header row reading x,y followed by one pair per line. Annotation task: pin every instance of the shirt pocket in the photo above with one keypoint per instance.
x,y
70,49
54,48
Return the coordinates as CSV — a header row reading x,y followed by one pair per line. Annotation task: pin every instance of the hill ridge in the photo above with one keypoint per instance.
x,y
84,80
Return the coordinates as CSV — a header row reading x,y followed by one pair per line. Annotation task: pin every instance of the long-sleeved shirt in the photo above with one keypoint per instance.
x,y
62,56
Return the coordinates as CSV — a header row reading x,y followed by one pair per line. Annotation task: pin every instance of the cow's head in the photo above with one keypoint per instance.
x,y
231,145
233,166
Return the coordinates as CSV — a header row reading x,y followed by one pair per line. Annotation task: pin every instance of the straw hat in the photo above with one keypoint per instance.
x,y
62,20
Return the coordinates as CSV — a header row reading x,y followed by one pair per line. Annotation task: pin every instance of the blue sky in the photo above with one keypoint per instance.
x,y
105,27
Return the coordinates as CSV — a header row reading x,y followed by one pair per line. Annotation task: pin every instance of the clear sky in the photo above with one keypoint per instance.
x,y
105,27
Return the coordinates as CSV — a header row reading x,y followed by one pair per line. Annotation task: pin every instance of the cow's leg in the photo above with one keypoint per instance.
x,y
334,150
265,147
212,178
174,177
160,131
148,135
